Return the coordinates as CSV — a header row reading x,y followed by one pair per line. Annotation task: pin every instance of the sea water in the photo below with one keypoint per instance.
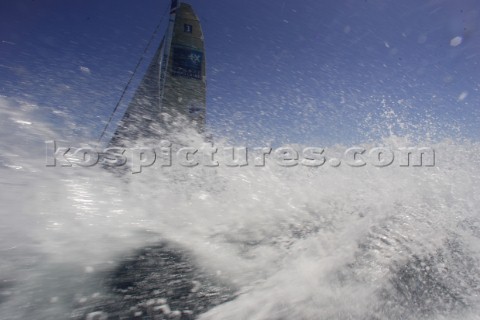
x,y
269,242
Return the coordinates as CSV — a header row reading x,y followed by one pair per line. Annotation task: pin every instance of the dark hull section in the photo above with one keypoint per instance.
x,y
157,282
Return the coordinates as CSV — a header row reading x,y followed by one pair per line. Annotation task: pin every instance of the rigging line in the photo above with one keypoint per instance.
x,y
133,74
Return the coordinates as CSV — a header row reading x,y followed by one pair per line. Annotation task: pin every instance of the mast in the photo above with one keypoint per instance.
x,y
174,86
168,46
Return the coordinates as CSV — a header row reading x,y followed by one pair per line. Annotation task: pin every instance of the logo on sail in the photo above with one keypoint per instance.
x,y
187,63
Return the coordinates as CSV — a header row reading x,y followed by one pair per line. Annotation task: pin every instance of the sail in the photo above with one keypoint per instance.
x,y
146,101
185,85
174,86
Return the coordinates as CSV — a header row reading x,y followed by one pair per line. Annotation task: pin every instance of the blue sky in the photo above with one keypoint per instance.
x,y
286,71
